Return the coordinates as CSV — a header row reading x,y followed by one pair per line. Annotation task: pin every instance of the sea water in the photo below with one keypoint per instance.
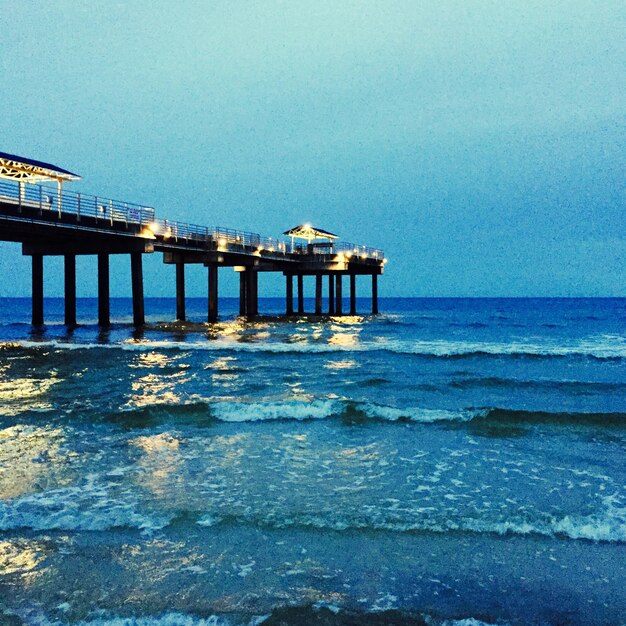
x,y
450,461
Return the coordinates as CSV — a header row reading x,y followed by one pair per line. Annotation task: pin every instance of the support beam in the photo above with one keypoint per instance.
x,y
243,276
374,294
104,305
37,292
331,294
136,267
318,294
70,289
212,293
338,295
352,294
300,294
180,292
289,294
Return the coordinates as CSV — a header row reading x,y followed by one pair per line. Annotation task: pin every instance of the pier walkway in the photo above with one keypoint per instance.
x,y
50,220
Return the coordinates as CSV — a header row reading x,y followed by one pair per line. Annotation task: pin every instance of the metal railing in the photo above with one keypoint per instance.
x,y
54,202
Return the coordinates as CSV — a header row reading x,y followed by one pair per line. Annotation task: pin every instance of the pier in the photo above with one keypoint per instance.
x,y
38,211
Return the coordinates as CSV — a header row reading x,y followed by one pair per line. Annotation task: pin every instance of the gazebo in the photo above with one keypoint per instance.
x,y
311,234
22,170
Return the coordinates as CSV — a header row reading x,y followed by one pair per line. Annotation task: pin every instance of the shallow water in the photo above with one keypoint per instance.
x,y
447,461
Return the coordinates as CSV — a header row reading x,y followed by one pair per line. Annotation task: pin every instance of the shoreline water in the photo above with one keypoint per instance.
x,y
449,463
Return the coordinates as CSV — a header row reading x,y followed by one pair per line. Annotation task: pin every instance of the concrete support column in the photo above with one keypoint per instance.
x,y
352,294
212,293
289,294
242,292
70,289
180,292
136,267
318,294
338,296
252,293
300,294
331,294
37,290
104,306
374,294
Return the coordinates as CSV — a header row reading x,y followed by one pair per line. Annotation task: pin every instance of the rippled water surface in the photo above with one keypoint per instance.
x,y
448,462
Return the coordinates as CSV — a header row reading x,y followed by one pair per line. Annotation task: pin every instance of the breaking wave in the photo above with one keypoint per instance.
x,y
607,525
606,347
350,412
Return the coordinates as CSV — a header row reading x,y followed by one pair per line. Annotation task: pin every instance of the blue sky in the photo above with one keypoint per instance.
x,y
481,144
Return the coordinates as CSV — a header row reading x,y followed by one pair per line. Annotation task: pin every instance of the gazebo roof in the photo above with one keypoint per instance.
x,y
26,170
306,231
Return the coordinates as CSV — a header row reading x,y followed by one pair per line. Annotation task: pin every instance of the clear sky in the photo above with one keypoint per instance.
x,y
481,144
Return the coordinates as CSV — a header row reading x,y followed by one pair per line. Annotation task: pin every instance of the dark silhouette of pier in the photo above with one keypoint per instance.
x,y
50,220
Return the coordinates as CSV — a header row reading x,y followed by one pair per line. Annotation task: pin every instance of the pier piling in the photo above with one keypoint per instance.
x,y
300,294
37,287
180,292
374,294
318,294
212,293
331,294
252,307
289,294
70,289
136,265
242,293
352,294
104,306
338,296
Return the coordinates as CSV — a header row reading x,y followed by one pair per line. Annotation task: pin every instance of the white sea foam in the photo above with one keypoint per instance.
x,y
87,506
260,411
320,409
166,619
415,414
606,346
608,525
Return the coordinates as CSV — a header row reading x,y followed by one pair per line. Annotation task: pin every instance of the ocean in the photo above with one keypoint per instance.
x,y
450,462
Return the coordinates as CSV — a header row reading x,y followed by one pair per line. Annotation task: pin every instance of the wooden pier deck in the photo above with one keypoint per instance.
x,y
55,221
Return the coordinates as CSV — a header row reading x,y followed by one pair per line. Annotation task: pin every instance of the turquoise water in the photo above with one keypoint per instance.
x,y
448,462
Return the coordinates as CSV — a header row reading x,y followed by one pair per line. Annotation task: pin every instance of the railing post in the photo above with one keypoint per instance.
x,y
78,207
95,204
40,200
60,196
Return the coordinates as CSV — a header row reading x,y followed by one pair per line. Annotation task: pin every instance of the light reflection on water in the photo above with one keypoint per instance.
x,y
23,558
18,395
31,459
